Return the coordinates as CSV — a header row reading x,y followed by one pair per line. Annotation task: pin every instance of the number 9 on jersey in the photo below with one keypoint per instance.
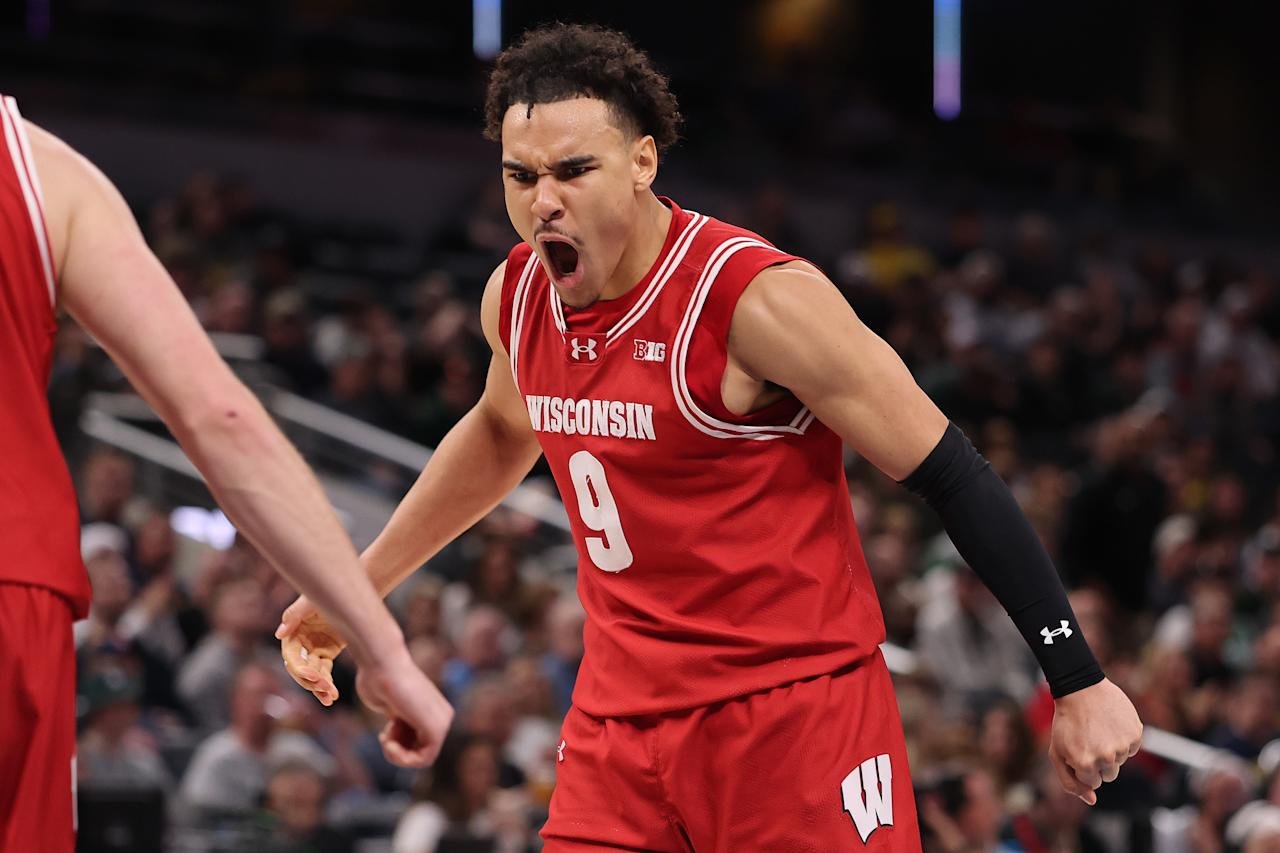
x,y
599,512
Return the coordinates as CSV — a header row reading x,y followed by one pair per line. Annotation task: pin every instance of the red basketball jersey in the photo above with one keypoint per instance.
x,y
39,522
717,553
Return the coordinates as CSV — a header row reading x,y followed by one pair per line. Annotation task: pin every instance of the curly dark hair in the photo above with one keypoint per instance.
x,y
557,62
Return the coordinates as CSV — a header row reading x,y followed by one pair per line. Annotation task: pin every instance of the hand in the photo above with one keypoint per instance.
x,y
1094,731
418,715
309,646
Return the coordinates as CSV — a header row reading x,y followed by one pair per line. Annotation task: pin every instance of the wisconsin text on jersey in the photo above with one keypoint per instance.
x,y
607,418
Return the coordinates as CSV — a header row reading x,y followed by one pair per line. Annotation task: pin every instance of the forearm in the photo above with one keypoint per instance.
x,y
272,497
476,465
997,541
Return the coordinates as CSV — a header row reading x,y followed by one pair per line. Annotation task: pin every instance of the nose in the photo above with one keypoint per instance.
x,y
547,205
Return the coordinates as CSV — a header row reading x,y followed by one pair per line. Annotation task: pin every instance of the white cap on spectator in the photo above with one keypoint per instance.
x,y
1173,532
1256,818
100,536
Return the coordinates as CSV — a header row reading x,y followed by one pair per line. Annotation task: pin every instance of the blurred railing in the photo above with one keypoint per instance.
x,y
365,470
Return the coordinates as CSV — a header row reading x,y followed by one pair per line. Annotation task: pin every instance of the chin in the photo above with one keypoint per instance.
x,y
579,296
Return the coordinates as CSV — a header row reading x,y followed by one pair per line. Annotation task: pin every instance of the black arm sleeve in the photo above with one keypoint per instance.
x,y
993,535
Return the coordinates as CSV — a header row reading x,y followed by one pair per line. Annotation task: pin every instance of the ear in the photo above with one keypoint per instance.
x,y
644,162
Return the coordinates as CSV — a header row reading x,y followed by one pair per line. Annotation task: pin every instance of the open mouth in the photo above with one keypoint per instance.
x,y
562,256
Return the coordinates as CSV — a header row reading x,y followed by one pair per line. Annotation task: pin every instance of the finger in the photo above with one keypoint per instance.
x,y
325,665
1135,746
292,617
1069,782
297,663
1088,775
1109,771
402,745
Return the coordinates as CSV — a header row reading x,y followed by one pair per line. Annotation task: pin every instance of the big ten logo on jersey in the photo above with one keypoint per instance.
x,y
650,351
868,795
584,349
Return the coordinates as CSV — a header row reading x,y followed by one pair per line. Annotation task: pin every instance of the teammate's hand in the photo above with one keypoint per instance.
x,y
309,646
418,715
1094,731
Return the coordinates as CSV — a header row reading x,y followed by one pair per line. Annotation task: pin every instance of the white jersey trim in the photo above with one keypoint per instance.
x,y
679,383
15,135
518,310
665,270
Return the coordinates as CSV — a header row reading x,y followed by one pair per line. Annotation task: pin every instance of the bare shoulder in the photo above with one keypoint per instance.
x,y
74,191
491,307
64,175
791,284
63,171
784,299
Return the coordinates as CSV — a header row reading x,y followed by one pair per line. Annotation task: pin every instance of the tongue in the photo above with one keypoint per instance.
x,y
563,257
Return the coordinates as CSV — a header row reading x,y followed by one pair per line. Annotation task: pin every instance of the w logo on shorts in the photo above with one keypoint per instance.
x,y
868,795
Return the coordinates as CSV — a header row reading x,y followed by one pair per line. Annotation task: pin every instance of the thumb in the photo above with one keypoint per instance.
x,y
293,616
1070,784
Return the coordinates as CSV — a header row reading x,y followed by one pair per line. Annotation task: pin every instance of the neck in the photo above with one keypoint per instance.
x,y
646,242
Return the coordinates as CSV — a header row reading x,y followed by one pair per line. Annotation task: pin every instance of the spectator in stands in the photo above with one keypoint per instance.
x,y
1219,790
1112,519
480,650
460,799
962,814
968,649
111,751
1250,719
286,331
487,711
296,799
1054,820
565,619
536,733
1006,744
229,771
240,623
106,489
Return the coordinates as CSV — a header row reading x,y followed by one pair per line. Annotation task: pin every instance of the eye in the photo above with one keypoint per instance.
x,y
522,177
574,172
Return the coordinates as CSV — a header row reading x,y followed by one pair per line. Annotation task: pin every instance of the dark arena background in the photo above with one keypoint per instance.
x,y
1061,215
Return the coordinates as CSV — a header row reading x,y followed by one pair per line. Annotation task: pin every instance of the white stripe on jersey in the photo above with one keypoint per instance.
x,y
684,398
517,315
15,135
669,265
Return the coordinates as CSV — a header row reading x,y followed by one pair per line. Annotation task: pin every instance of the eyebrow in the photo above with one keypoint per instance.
x,y
559,165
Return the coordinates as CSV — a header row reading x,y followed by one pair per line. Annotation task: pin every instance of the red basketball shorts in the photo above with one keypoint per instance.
x,y
37,721
817,765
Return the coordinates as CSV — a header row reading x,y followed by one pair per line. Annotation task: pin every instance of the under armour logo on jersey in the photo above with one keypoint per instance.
x,y
560,751
1048,635
868,795
584,349
650,351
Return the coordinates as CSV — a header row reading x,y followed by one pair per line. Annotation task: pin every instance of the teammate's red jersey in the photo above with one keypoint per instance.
x,y
39,523
718,553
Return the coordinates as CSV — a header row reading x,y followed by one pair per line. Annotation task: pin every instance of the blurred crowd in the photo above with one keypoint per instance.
x,y
1128,391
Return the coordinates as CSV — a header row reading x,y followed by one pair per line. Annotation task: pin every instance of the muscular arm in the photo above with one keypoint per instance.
x,y
792,328
860,388
113,285
478,463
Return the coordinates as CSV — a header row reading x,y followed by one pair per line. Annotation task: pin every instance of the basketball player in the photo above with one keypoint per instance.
x,y
68,240
691,387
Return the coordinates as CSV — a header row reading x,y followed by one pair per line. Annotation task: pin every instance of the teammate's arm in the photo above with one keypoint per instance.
x,y
113,285
486,455
792,328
